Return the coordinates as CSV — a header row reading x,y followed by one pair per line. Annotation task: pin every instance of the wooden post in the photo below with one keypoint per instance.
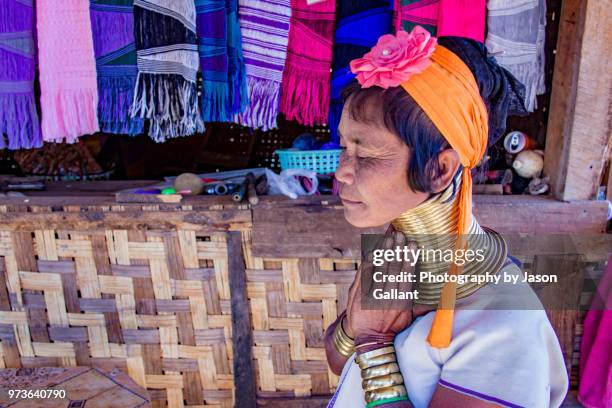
x,y
578,127
244,377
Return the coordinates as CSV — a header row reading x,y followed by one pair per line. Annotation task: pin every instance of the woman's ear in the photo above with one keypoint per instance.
x,y
448,163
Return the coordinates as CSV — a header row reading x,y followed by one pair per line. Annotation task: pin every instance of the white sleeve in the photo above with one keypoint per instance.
x,y
509,357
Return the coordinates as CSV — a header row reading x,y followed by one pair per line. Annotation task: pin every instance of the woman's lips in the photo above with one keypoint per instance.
x,y
350,202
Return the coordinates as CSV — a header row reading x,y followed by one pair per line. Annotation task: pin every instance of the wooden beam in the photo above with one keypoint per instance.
x,y
578,128
313,227
561,300
298,402
244,376
217,220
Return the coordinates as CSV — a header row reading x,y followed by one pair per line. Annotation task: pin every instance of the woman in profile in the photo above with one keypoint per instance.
x,y
417,120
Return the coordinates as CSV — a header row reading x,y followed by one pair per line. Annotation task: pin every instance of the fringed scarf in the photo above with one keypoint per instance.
x,y
239,92
223,75
460,18
18,117
112,25
359,25
67,66
516,34
166,90
265,34
306,88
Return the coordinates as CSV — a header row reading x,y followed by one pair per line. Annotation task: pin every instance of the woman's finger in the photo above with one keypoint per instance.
x,y
367,271
406,268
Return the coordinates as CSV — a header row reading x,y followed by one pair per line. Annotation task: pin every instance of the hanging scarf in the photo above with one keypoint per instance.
x,y
306,90
67,66
166,91
265,33
239,92
461,18
18,117
360,23
112,25
516,34
223,76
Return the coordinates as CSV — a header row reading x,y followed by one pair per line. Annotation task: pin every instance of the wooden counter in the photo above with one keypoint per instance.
x,y
193,298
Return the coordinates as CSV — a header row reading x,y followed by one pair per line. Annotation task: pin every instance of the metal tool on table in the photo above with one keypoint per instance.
x,y
247,189
21,184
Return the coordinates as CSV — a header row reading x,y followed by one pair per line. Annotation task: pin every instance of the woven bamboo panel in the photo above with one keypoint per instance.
x,y
293,301
155,304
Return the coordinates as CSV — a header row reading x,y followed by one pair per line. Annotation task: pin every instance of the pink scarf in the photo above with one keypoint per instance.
x,y
67,65
305,86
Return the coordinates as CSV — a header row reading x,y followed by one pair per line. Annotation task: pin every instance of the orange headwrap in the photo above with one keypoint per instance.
x,y
447,92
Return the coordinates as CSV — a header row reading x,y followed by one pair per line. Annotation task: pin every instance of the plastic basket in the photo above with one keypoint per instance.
x,y
321,161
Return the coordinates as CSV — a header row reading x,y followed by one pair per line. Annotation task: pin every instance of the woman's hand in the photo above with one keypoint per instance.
x,y
381,325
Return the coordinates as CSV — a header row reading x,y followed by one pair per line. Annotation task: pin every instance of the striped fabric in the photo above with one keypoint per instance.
x,y
112,25
18,117
418,12
265,33
516,34
224,89
167,60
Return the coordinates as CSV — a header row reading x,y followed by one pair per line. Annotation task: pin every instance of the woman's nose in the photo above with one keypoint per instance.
x,y
345,173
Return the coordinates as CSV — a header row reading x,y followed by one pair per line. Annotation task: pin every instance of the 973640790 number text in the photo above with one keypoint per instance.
x,y
36,394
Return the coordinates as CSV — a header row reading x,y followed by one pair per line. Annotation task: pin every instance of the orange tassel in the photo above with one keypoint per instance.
x,y
441,329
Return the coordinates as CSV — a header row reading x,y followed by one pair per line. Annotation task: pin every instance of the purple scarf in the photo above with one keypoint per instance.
x,y
18,117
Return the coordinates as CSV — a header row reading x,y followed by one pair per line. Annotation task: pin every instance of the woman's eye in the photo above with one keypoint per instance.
x,y
365,161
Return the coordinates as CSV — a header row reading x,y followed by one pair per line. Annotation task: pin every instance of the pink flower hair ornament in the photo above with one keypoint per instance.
x,y
395,58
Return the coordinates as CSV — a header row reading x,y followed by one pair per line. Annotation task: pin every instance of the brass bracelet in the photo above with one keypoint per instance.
x,y
374,343
374,353
377,361
386,393
377,371
342,342
384,381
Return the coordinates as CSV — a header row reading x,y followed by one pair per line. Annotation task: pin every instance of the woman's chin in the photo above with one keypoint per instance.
x,y
357,217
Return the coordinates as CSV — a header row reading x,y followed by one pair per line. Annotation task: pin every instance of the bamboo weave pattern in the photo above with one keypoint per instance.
x,y
155,304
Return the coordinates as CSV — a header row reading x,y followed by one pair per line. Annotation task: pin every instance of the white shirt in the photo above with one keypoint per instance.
x,y
503,350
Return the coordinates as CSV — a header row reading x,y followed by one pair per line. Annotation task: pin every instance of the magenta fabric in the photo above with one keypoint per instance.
x,y
306,77
595,388
459,18
462,18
